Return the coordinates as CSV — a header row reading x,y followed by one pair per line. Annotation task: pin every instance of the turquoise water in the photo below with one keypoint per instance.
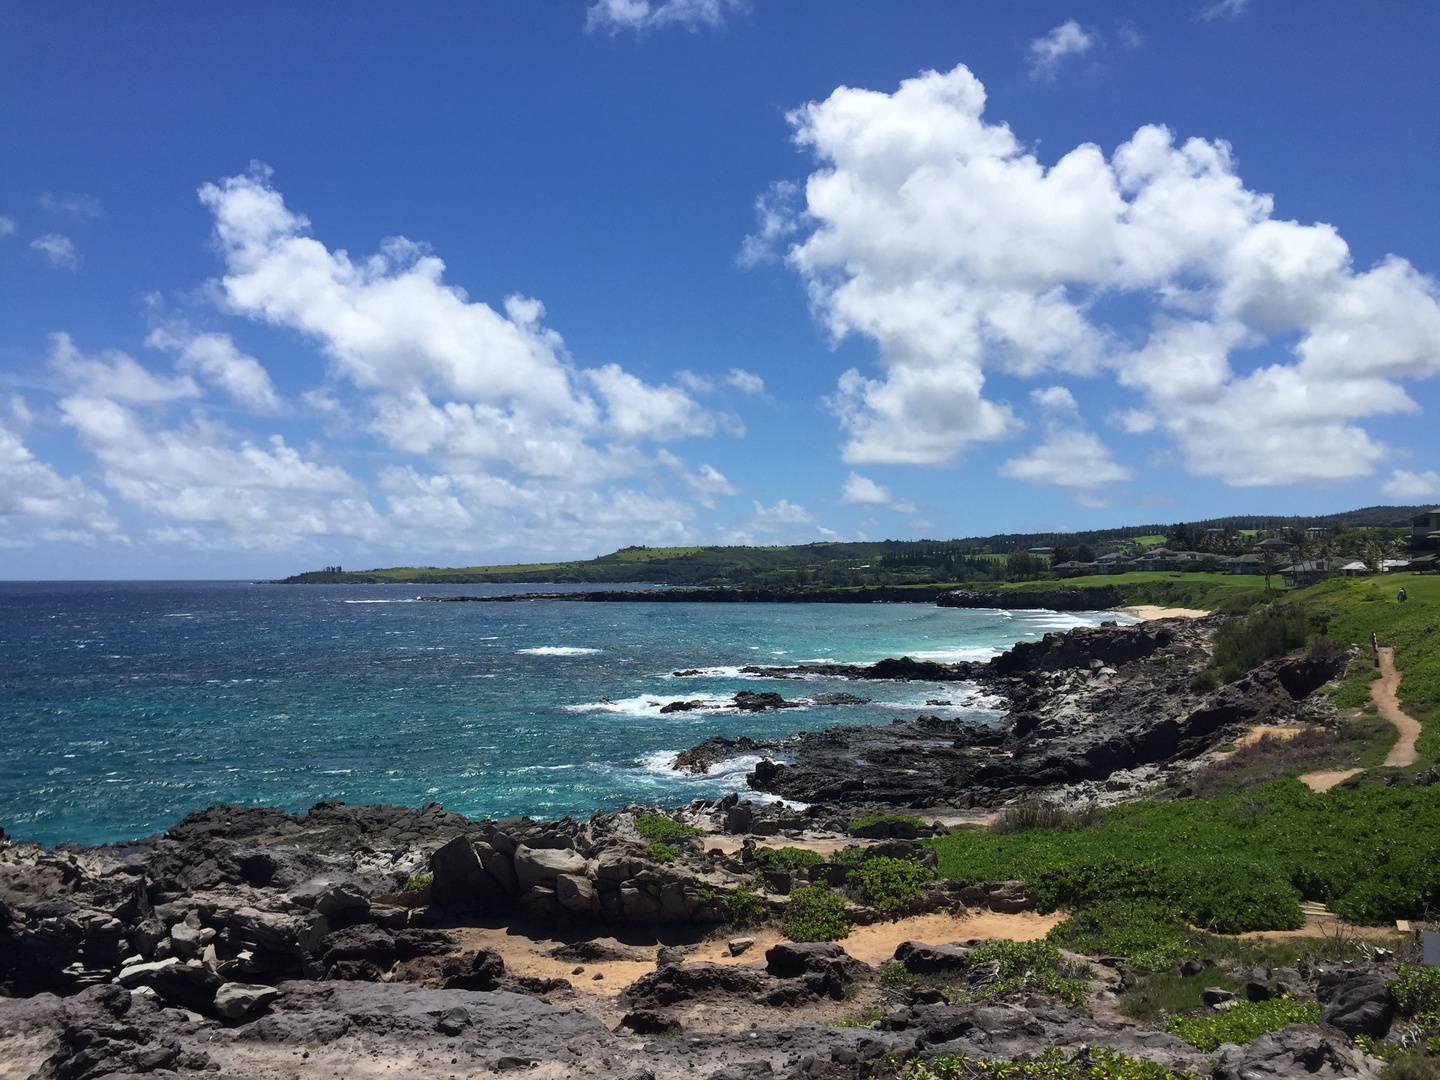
x,y
125,705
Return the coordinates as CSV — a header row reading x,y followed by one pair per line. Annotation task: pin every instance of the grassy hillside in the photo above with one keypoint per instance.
x,y
888,562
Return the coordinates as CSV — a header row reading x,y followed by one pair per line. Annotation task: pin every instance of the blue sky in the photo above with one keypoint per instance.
x,y
289,285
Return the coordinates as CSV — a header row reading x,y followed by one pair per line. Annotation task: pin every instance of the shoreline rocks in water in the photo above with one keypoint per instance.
x,y
1084,706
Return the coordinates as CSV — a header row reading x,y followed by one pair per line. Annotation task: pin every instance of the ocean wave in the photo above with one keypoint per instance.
x,y
956,654
721,672
649,705
407,600
726,775
557,650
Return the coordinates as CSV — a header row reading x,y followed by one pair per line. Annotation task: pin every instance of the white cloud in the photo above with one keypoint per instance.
x,y
1048,52
747,382
214,358
782,513
862,491
942,238
79,207
59,251
1069,457
7,227
1225,9
707,482
638,411
446,377
640,15
775,211
114,375
37,503
1408,486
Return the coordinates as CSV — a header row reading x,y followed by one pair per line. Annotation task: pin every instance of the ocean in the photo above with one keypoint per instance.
x,y
126,705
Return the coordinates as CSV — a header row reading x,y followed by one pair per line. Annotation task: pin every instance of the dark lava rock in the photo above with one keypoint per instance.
x,y
1357,1002
675,983
922,959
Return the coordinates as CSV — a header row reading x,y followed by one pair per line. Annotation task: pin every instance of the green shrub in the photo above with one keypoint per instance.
x,y
744,908
897,974
886,883
1408,1065
814,913
1027,967
789,858
1417,993
660,827
1148,933
1244,1022
1265,633
1090,1063
662,853
871,819
417,882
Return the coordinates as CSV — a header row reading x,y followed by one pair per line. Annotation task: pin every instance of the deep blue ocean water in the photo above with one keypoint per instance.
x,y
125,705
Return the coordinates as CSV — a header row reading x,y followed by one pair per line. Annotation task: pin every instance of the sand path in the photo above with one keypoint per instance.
x,y
529,954
1382,690
1154,611
1325,779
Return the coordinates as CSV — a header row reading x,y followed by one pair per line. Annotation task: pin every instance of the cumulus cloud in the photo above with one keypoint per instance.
x,y
862,491
446,377
215,359
613,16
1070,456
38,504
79,207
782,513
114,375
1405,485
58,250
941,237
747,382
775,213
1049,52
7,227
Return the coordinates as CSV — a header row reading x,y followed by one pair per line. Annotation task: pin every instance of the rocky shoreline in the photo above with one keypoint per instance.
x,y
352,940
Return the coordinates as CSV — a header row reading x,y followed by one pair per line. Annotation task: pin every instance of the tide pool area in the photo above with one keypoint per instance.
x,y
125,705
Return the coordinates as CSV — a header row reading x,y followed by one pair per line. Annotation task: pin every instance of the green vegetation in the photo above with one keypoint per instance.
x,y
871,819
815,914
660,827
887,884
1090,1063
789,858
662,852
1027,967
417,882
1353,608
744,907
1246,642
1244,1022
1136,881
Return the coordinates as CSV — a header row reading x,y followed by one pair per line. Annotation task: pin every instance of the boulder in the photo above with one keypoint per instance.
x,y
461,882
922,959
343,905
1357,1002
237,1001
541,866
577,893
675,983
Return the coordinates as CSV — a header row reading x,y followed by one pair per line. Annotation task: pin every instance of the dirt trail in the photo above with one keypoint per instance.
x,y
1383,691
1325,779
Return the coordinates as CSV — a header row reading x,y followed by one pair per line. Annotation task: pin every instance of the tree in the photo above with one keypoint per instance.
x,y
1084,553
1020,565
1268,566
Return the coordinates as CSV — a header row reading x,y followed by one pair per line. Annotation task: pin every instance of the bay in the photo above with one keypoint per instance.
x,y
125,705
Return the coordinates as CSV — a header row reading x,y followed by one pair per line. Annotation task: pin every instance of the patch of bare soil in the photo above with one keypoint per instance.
x,y
1382,690
1325,779
1154,611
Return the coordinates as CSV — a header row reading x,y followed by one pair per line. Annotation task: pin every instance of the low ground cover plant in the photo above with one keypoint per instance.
x,y
871,819
1091,1063
660,827
1244,1022
662,852
1026,967
1229,864
886,883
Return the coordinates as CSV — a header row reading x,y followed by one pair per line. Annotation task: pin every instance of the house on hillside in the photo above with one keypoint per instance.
x,y
1309,571
1116,562
1246,564
1425,529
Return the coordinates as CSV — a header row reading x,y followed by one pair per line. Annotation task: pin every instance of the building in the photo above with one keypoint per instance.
x,y
1425,529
